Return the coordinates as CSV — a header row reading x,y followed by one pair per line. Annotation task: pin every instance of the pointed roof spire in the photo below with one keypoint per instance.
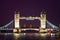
x,y
43,12
16,12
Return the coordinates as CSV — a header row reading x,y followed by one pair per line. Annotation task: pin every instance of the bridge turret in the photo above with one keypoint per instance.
x,y
43,20
16,21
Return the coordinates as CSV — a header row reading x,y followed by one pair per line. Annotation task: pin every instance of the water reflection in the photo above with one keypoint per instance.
x,y
32,36
27,36
16,35
44,34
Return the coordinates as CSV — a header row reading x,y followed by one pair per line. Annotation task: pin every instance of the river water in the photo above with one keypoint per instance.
x,y
28,36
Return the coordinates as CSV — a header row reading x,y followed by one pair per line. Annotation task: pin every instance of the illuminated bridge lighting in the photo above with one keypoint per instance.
x,y
53,26
30,18
7,24
24,29
43,23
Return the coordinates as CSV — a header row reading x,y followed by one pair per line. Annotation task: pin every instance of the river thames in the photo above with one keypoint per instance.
x,y
29,36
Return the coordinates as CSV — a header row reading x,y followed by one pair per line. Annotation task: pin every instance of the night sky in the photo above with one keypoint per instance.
x,y
29,8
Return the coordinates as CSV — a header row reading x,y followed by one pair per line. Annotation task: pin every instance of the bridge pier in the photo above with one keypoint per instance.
x,y
17,24
16,30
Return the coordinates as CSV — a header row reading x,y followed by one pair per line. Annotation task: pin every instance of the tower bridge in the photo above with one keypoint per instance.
x,y
42,19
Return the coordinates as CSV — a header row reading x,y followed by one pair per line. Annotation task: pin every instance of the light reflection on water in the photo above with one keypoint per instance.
x,y
16,36
27,36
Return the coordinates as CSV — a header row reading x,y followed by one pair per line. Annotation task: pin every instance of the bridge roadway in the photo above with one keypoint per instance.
x,y
24,29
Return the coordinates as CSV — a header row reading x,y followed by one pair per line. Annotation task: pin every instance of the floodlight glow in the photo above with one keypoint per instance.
x,y
16,20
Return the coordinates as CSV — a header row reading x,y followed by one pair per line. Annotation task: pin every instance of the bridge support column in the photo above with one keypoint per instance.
x,y
43,22
16,23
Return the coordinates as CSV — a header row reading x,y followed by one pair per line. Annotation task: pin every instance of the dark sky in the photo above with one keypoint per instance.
x,y
29,8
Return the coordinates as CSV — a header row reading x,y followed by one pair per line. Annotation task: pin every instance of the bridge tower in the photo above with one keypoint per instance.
x,y
16,22
42,22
